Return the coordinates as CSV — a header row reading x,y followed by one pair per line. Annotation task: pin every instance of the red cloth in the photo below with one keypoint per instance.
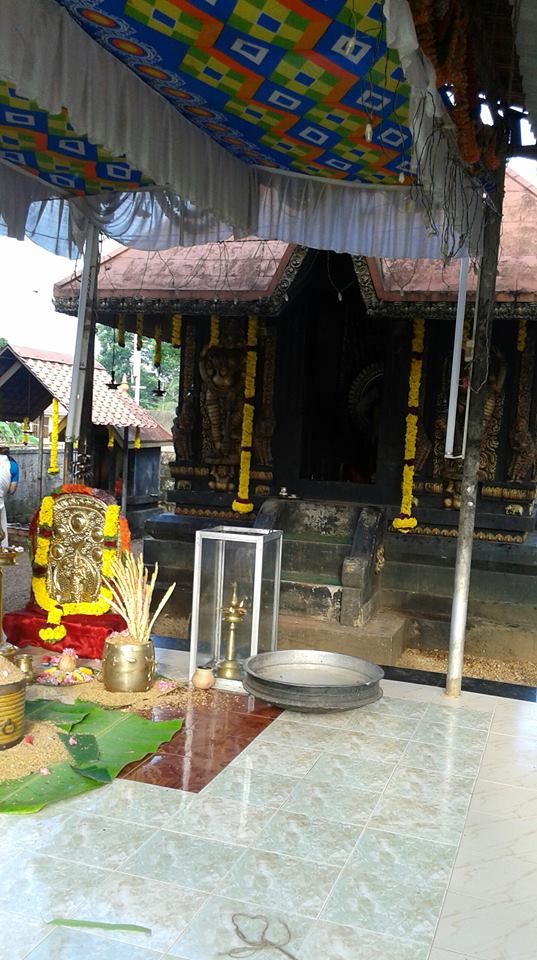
x,y
86,635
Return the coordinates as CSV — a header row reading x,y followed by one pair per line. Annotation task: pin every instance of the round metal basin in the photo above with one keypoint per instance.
x,y
312,680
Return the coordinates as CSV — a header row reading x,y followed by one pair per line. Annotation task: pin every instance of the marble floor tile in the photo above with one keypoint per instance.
x,y
365,901
438,954
400,690
286,883
142,803
394,707
508,879
332,941
19,935
310,838
166,908
65,944
403,861
511,760
523,709
223,926
488,839
362,746
332,718
487,931
468,700
221,819
383,724
303,735
453,713
515,726
184,860
503,801
429,821
277,758
43,887
331,802
450,760
432,786
342,771
450,735
97,841
251,786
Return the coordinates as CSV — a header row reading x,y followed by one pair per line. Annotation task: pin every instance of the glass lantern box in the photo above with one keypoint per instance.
x,y
236,596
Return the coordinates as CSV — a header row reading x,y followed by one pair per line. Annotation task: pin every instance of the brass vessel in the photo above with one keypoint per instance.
x,y
230,667
12,702
128,667
25,664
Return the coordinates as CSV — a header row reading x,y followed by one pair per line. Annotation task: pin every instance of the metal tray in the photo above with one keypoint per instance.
x,y
312,680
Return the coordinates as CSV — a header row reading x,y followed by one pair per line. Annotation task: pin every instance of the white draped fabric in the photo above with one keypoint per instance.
x,y
59,65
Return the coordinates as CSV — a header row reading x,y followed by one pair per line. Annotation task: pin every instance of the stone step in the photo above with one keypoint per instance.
x,y
320,601
315,555
381,640
434,580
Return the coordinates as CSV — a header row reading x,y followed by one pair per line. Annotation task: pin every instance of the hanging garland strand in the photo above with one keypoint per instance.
x,y
110,443
242,503
121,329
177,321
157,355
137,439
25,431
53,466
405,522
139,330
215,331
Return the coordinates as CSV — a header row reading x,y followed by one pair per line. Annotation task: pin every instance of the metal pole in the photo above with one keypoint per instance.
x,y
84,322
125,474
456,361
41,456
478,394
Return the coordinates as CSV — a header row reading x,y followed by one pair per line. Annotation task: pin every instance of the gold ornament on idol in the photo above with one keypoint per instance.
x,y
405,522
242,502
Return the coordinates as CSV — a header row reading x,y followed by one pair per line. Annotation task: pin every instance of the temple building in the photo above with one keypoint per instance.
x,y
334,340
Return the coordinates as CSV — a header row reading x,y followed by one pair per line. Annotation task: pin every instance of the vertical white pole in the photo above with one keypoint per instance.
x,y
456,360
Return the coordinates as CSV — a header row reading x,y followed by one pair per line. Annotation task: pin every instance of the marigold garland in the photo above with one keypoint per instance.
x,y
242,503
121,329
137,440
177,322
157,355
53,466
139,330
25,431
215,331
522,335
110,443
113,533
405,521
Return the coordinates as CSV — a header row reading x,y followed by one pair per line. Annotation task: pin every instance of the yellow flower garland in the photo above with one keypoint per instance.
x,y
55,611
137,440
215,331
157,355
177,321
110,443
522,335
25,426
121,329
405,522
53,466
242,503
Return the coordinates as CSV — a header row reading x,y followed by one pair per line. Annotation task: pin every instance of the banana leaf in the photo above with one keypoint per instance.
x,y
106,741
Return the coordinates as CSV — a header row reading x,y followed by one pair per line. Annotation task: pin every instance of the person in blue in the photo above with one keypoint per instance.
x,y
13,468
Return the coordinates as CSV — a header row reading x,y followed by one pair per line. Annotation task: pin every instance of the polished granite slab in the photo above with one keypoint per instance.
x,y
406,830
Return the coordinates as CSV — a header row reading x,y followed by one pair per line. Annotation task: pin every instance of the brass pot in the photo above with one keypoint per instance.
x,y
128,667
12,701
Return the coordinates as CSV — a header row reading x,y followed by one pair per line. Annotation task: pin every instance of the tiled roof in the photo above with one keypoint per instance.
x,y
110,407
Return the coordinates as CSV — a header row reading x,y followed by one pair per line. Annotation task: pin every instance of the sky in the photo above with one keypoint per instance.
x,y
28,274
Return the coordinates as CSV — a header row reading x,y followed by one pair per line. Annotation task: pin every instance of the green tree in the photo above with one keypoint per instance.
x,y
120,358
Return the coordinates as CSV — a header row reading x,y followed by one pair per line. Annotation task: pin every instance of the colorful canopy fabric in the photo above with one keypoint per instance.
x,y
294,85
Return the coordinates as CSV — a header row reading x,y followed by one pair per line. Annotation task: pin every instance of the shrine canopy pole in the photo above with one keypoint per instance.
x,y
478,392
456,361
80,361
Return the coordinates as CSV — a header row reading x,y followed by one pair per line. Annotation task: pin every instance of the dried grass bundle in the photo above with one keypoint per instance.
x,y
132,592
